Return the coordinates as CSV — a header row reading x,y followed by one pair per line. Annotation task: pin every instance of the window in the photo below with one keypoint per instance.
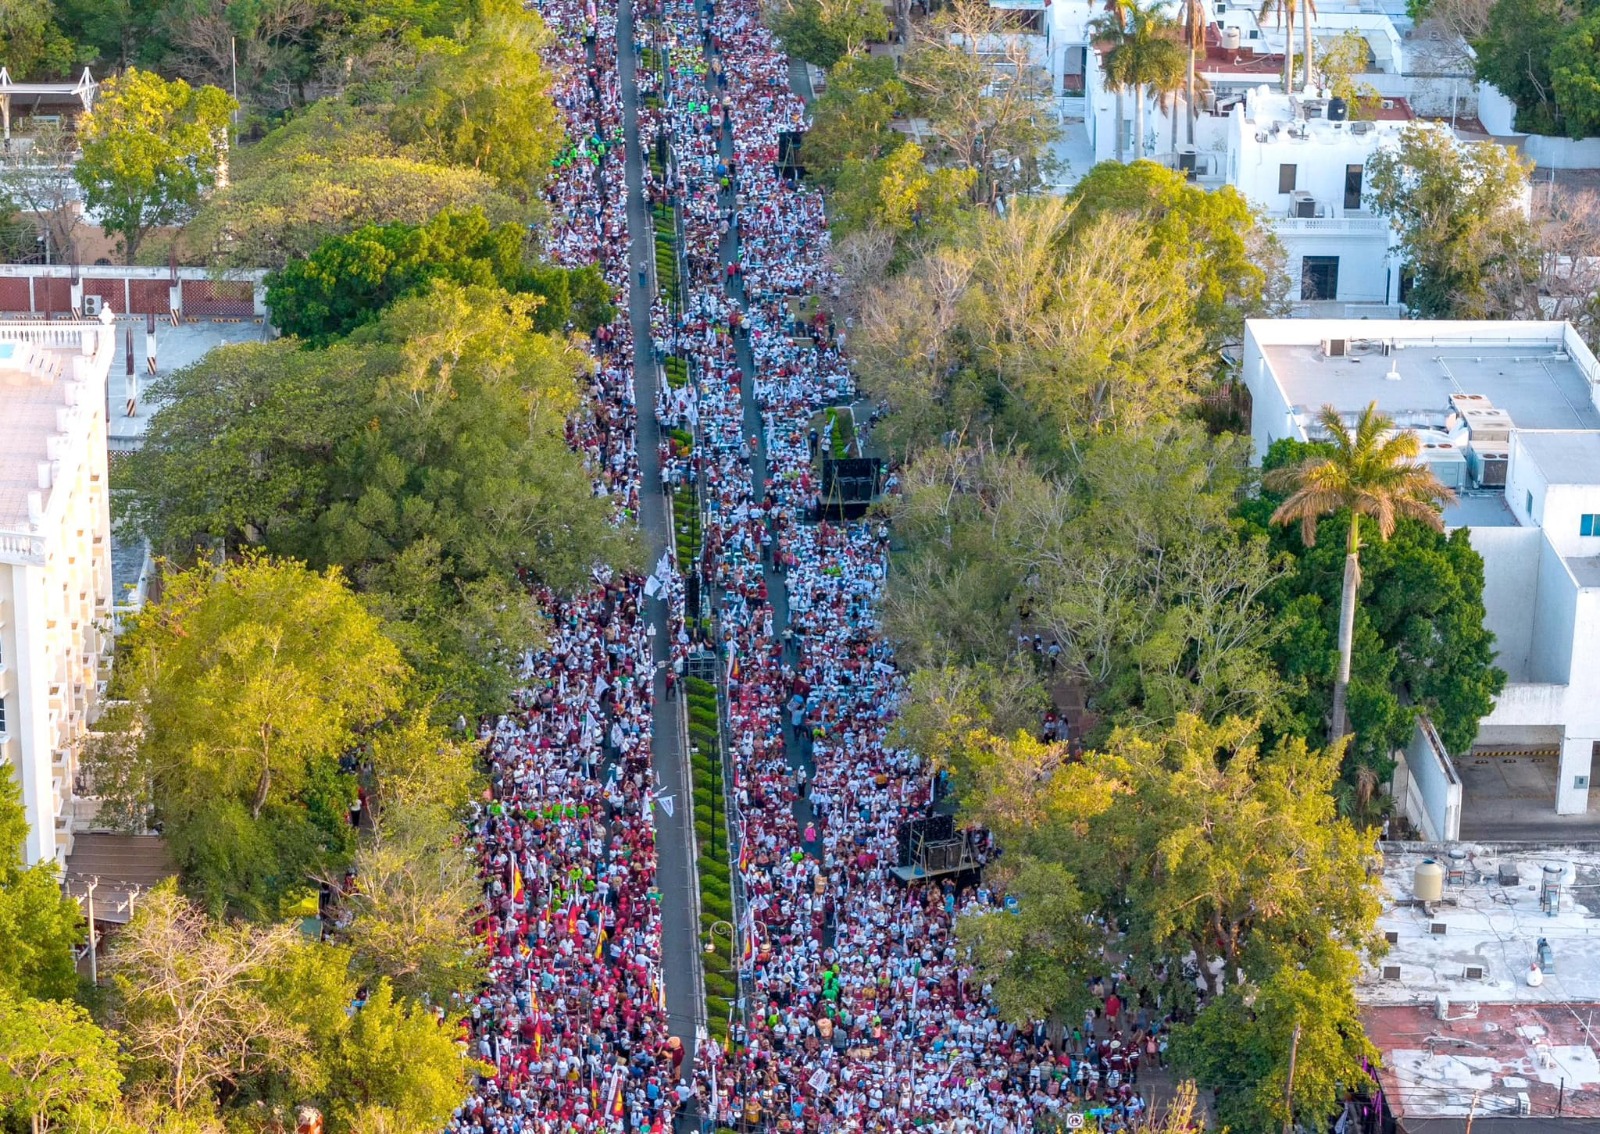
x,y
1319,277
1286,178
2,716
1529,503
1352,186
1589,524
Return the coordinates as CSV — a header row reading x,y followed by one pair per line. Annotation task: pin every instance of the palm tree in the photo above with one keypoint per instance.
x,y
1194,36
1372,472
1287,11
1144,53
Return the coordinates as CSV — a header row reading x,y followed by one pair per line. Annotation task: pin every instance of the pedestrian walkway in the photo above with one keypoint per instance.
x,y
675,872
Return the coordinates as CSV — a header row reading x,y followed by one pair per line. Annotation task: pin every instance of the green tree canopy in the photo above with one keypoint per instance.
x,y
350,281
151,150
1457,209
425,456
1038,328
57,1067
33,45
1211,230
1420,641
1516,51
851,118
38,923
898,192
332,170
825,31
484,104
245,686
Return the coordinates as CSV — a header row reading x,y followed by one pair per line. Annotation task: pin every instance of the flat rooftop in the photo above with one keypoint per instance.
x,y
1564,457
1480,508
29,398
1493,927
1536,386
1480,1062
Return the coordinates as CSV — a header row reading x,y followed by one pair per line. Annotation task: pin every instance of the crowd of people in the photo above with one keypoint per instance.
x,y
861,1013
573,1019
862,1016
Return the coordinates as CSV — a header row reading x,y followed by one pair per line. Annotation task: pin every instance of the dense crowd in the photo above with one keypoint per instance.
x,y
862,1015
573,1019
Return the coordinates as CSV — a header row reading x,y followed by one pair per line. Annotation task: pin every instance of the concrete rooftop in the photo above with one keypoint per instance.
x,y
1535,387
1494,927
29,399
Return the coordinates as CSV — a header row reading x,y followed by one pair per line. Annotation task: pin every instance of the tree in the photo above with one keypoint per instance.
x,y
397,1068
1034,958
484,104
851,118
44,185
1145,53
1304,1015
1340,67
151,150
1575,76
1193,835
825,32
1457,209
425,455
38,923
978,87
325,174
411,911
897,193
247,685
187,999
1420,646
370,1061
1212,231
32,43
350,281
1288,11
1515,52
56,1064
1371,472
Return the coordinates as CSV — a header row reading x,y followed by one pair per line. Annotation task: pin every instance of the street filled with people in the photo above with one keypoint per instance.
x,y
573,1020
860,1013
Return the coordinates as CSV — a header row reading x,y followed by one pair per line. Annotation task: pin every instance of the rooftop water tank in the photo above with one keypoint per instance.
x,y
1427,883
1231,39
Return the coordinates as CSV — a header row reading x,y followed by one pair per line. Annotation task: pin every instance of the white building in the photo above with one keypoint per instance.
x,y
55,563
1300,159
1509,416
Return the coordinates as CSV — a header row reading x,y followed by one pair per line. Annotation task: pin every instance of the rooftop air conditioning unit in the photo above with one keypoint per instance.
x,y
1302,204
1474,972
1388,104
1360,127
1335,348
1488,466
1187,158
91,306
1391,972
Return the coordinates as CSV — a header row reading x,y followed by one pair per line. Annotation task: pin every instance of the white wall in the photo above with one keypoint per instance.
x,y
1550,642
1510,591
1269,408
1433,792
1497,112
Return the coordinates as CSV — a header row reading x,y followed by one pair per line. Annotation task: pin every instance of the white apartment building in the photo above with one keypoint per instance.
x,y
1509,416
1299,158
55,561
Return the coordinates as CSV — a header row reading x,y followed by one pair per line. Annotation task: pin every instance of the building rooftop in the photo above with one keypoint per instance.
x,y
1540,387
1484,508
1490,930
34,386
1484,1063
1564,457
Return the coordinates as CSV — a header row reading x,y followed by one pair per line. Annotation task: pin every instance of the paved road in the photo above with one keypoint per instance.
x,y
675,874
